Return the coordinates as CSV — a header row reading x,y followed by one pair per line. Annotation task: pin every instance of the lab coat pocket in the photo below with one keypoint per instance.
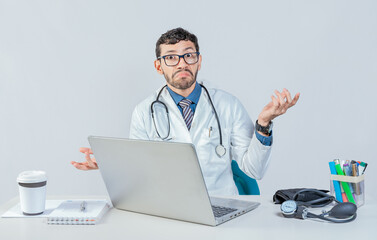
x,y
211,139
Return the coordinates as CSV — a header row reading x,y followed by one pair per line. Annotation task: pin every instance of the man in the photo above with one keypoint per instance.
x,y
192,117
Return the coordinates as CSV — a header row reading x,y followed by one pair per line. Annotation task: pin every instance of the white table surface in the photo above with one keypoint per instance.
x,y
265,222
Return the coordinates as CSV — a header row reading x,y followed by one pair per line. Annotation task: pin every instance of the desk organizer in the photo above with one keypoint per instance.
x,y
348,188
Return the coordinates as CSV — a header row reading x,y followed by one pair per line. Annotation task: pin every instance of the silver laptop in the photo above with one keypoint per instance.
x,y
162,179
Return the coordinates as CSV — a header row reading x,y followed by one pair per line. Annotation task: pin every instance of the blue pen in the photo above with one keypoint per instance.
x,y
338,192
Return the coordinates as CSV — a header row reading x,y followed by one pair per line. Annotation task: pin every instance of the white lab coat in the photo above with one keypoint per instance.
x,y
237,131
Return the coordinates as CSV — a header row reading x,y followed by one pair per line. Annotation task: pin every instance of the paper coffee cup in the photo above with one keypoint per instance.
x,y
32,188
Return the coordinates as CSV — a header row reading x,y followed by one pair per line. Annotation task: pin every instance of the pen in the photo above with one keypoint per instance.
x,y
355,173
83,206
209,132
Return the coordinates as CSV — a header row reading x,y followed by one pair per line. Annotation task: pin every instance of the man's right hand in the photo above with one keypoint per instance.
x,y
90,163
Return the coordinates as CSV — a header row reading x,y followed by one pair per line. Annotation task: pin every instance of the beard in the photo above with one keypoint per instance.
x,y
183,82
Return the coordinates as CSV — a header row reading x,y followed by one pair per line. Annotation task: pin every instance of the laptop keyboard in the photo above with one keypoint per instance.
x,y
221,211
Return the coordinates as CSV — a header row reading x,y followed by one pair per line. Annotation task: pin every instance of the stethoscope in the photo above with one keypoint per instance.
x,y
220,149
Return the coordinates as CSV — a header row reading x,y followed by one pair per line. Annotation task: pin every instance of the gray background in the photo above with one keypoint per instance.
x,y
69,69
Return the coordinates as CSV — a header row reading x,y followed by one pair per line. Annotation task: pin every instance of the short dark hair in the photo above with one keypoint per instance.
x,y
174,36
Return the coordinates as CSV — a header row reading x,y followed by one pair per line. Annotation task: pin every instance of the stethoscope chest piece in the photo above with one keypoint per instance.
x,y
220,150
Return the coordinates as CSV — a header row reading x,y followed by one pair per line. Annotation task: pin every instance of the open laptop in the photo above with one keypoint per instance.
x,y
161,179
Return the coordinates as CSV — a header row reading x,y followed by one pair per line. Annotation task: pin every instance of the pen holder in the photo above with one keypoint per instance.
x,y
348,188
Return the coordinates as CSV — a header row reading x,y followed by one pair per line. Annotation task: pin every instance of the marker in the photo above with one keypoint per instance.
x,y
336,184
345,185
364,165
344,197
348,172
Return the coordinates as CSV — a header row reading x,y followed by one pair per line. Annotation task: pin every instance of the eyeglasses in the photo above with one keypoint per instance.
x,y
173,60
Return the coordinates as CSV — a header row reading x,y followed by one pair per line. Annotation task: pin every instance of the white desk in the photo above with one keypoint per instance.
x,y
265,222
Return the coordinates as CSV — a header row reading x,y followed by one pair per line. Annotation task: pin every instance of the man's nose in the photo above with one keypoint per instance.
x,y
182,63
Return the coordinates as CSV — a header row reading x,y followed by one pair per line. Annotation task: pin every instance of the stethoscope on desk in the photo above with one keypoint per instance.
x,y
220,149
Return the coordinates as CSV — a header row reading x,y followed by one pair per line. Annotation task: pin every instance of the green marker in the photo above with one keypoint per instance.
x,y
345,185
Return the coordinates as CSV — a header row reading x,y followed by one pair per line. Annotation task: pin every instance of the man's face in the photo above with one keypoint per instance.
x,y
183,75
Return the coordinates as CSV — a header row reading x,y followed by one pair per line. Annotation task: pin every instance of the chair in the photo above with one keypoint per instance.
x,y
245,184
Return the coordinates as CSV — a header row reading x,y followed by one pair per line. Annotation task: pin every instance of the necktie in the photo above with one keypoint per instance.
x,y
188,115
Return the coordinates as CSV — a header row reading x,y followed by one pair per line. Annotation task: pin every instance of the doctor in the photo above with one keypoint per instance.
x,y
213,120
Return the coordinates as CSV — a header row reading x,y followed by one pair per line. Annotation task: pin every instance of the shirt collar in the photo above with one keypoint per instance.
x,y
194,95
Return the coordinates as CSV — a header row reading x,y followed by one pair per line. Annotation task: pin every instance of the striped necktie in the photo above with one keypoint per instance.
x,y
188,114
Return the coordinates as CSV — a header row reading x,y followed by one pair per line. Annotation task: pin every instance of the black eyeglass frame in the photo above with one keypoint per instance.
x,y
179,59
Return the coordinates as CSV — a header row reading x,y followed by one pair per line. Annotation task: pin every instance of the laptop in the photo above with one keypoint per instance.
x,y
161,179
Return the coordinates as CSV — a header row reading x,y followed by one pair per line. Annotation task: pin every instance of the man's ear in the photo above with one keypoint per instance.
x,y
157,66
200,62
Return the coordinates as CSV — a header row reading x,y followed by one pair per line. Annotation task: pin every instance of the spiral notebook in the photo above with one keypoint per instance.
x,y
79,212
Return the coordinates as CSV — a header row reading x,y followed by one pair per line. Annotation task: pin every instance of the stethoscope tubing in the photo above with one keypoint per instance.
x,y
167,113
154,122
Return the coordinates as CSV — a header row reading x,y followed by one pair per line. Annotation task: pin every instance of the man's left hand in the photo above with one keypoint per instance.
x,y
279,105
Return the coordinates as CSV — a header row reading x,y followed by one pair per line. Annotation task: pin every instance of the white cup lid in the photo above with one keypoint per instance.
x,y
32,177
